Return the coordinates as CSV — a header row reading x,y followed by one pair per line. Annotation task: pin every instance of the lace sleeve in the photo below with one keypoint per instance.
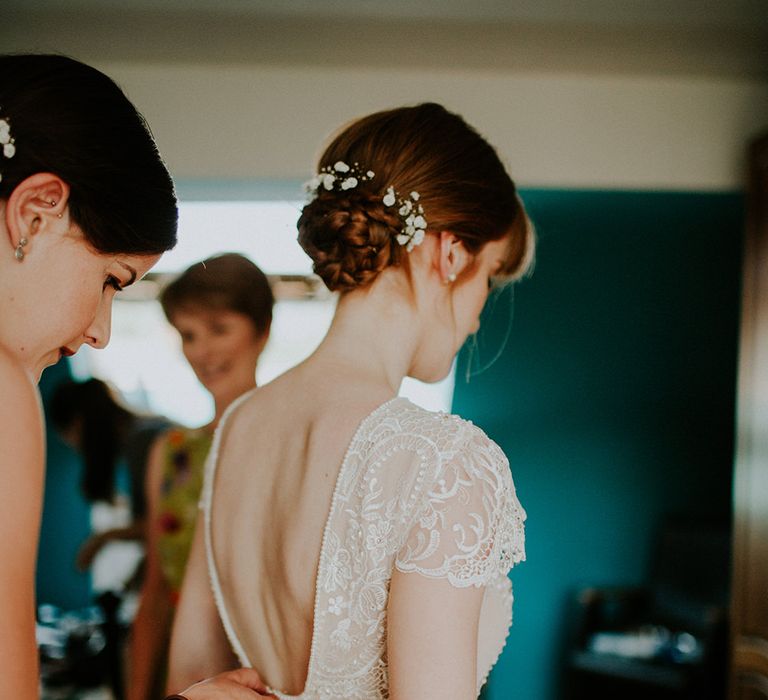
x,y
470,526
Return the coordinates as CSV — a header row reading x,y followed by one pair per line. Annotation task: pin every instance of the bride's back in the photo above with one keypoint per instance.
x,y
272,493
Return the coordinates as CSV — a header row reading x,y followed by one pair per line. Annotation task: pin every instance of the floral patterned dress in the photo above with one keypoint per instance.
x,y
185,454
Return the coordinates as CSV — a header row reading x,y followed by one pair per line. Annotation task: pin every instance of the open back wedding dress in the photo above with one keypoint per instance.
x,y
422,492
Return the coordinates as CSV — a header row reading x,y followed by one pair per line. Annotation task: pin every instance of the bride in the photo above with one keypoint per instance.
x,y
354,545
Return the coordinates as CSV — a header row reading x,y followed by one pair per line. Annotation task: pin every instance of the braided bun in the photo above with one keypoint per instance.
x,y
350,237
428,164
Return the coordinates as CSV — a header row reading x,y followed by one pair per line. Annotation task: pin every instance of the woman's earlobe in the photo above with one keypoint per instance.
x,y
453,256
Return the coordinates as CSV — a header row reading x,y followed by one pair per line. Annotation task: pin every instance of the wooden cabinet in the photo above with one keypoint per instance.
x,y
749,627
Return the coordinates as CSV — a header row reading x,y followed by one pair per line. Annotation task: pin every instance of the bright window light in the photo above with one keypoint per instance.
x,y
265,232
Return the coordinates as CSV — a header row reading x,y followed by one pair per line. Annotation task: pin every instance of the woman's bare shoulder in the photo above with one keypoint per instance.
x,y
274,396
22,443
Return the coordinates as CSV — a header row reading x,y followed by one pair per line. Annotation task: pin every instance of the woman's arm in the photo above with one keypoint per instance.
x,y
432,638
199,646
21,475
92,546
151,631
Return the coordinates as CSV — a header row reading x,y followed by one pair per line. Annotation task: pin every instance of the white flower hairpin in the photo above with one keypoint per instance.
x,y
347,177
412,214
7,141
344,177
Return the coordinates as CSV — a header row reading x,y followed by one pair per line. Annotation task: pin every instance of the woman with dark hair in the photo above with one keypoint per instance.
x,y
222,310
86,208
96,424
358,546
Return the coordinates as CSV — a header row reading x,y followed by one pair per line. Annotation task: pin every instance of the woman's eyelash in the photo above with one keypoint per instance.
x,y
113,282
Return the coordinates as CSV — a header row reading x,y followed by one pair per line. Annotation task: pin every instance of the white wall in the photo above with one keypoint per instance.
x,y
263,121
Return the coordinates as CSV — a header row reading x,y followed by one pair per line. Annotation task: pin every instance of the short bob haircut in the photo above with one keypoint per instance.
x,y
230,282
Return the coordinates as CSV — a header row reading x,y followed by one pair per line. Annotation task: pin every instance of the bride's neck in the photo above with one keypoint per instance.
x,y
374,334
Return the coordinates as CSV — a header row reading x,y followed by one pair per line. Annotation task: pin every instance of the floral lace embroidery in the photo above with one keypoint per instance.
x,y
417,491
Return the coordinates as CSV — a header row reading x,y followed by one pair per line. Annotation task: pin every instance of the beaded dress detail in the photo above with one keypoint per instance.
x,y
422,492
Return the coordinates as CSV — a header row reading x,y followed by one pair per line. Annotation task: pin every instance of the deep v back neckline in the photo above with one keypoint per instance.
x,y
213,571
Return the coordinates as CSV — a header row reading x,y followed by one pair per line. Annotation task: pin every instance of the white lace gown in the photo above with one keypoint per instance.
x,y
417,491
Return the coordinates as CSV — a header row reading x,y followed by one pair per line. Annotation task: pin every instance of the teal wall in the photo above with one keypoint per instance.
x,y
65,517
613,397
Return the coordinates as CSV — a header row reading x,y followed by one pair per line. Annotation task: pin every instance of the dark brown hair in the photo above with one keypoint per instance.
x,y
104,421
70,119
463,188
229,281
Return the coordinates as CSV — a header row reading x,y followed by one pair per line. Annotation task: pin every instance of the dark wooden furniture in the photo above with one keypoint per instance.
x,y
685,600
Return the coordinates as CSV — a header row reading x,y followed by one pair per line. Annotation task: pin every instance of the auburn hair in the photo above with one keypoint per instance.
x,y
462,184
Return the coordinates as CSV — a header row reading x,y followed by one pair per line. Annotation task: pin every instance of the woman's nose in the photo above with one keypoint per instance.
x,y
197,349
98,333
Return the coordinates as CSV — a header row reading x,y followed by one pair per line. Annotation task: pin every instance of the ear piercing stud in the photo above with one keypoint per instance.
x,y
452,277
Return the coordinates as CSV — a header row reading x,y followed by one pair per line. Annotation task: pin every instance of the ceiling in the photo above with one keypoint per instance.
x,y
733,14
691,37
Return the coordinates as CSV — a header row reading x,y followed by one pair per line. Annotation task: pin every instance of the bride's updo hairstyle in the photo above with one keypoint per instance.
x,y
460,184
60,116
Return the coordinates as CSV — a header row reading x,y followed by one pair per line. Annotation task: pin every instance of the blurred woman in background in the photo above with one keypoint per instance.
x,y
222,310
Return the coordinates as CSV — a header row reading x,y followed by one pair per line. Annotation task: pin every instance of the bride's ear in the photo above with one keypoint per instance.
x,y
453,256
36,204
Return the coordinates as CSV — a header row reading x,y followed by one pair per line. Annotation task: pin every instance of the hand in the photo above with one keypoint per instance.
x,y
88,551
241,684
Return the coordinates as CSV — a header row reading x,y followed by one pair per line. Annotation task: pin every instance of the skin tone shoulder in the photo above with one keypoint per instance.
x,y
21,473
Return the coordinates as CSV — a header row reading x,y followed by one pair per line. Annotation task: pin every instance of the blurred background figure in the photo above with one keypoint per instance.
x,y
222,310
113,442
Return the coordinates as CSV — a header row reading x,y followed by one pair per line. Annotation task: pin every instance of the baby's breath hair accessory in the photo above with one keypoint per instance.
x,y
344,177
412,214
7,141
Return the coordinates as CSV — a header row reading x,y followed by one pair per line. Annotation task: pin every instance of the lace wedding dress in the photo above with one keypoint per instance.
x,y
422,492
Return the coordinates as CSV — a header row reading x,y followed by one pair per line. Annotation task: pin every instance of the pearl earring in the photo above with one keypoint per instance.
x,y
19,254
451,277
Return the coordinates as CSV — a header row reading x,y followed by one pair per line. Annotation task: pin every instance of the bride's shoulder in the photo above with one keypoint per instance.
x,y
437,421
452,433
